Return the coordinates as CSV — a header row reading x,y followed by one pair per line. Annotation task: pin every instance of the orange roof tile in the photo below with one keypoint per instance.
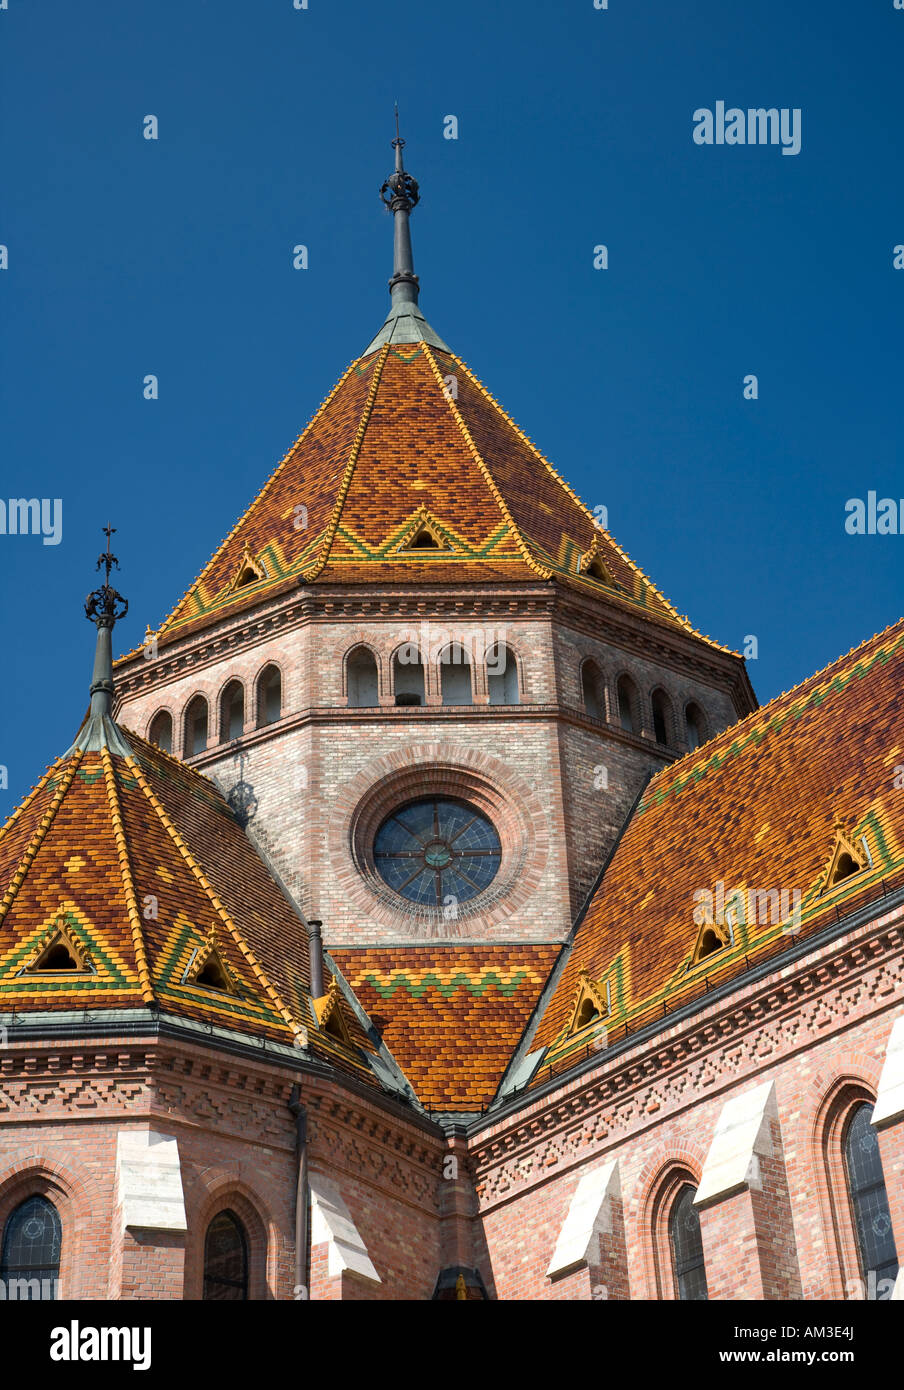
x,y
142,864
450,1015
391,441
754,809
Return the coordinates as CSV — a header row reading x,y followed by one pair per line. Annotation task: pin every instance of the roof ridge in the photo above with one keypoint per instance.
x,y
541,570
333,526
252,504
767,710
128,881
684,621
26,801
225,917
39,836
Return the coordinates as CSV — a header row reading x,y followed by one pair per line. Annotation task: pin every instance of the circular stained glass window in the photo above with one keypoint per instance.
x,y
434,849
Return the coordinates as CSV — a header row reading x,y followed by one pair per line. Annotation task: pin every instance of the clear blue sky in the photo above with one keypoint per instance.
x,y
129,257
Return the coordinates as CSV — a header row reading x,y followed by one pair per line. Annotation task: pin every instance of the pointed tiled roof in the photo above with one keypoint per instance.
x,y
758,809
409,429
451,1015
142,863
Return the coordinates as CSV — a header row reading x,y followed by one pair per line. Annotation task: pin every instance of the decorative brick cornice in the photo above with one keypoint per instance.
x,y
787,1011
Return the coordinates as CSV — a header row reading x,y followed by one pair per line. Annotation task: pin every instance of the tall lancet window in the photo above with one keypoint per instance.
x,y
687,1247
869,1200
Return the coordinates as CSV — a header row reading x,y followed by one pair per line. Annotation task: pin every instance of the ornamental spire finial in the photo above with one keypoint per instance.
x,y
400,195
104,606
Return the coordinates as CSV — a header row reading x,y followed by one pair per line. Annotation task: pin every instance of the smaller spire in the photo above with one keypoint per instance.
x,y
104,607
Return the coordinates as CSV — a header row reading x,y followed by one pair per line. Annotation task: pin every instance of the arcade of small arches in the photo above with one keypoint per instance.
x,y
623,704
371,681
194,724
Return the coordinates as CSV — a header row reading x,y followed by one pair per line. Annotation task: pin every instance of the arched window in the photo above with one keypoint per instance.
x,y
627,704
195,740
226,1259
161,730
408,676
455,674
869,1200
694,726
361,671
687,1247
232,712
502,675
269,696
30,1260
662,716
592,690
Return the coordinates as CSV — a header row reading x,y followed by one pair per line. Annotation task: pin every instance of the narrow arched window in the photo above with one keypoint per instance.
x,y
455,675
363,687
626,704
269,696
232,712
226,1259
195,740
662,716
687,1247
869,1201
161,730
408,676
30,1259
502,675
693,720
592,690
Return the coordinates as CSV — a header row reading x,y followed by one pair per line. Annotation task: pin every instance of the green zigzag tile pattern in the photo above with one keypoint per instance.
x,y
420,984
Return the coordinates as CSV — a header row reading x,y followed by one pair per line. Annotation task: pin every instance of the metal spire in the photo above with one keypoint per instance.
x,y
405,323
400,194
104,607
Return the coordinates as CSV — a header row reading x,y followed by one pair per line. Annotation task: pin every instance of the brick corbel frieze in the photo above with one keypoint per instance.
x,y
707,1054
175,1084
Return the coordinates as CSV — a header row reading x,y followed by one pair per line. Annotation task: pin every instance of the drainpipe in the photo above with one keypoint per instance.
x,y
315,946
300,1116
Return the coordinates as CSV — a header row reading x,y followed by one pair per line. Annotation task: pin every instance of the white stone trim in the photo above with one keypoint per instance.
x,y
742,1137
890,1098
149,1181
589,1217
331,1222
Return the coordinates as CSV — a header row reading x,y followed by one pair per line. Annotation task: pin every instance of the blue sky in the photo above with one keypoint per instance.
x,y
174,257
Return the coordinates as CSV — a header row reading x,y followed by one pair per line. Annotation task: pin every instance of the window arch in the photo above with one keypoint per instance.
x,y
455,675
232,712
361,677
30,1255
694,726
225,1259
195,734
626,695
408,675
502,675
662,716
869,1200
269,696
160,731
686,1245
592,690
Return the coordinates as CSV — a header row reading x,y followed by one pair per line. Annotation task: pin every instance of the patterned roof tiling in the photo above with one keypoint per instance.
x,y
141,864
409,431
756,809
450,1015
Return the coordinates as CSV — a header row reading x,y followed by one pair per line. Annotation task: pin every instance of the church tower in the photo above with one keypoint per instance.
x,y
429,681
